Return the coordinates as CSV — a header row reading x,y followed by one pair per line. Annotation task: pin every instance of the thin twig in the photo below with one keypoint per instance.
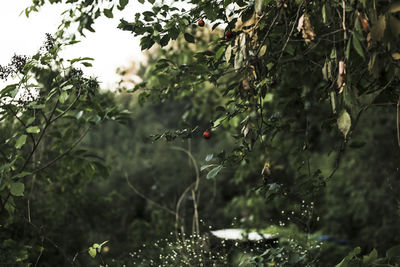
x,y
44,237
146,198
68,108
291,31
63,154
397,121
194,190
41,252
266,35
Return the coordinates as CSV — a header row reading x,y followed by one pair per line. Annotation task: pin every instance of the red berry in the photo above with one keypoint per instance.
x,y
200,23
228,35
206,135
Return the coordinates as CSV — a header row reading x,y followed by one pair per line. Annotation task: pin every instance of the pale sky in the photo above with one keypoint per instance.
x,y
110,47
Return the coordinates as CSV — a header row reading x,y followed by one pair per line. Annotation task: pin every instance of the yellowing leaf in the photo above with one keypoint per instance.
x,y
262,51
395,26
344,122
378,29
228,53
258,6
396,56
395,7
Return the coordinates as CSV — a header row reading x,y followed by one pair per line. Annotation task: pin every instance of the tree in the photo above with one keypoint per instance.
x,y
44,117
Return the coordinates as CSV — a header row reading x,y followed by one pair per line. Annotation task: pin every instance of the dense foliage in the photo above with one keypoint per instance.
x,y
301,103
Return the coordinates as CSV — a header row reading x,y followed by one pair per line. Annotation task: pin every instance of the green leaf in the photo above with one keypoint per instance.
x,y
214,172
344,122
146,42
123,3
324,14
202,168
17,189
357,45
20,141
247,14
220,52
357,144
165,40
211,12
369,259
108,13
347,260
33,129
92,252
12,88
333,54
189,38
63,97
87,64
20,175
80,59
209,157
102,244
393,252
348,48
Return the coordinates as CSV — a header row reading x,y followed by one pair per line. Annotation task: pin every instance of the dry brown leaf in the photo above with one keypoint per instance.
x,y
341,80
363,21
245,84
307,29
266,171
301,23
245,130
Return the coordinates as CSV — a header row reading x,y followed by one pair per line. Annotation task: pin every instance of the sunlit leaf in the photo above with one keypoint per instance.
x,y
214,172
33,129
63,97
344,122
262,51
20,141
92,252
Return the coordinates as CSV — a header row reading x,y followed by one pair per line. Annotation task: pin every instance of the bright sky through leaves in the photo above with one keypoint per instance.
x,y
110,47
